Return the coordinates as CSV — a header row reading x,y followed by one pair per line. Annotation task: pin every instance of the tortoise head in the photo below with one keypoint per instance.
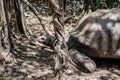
x,y
47,40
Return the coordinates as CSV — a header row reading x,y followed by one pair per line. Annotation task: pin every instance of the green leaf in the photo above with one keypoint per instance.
x,y
5,78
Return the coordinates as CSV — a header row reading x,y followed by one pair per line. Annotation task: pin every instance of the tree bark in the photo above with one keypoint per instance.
x,y
6,44
19,17
60,47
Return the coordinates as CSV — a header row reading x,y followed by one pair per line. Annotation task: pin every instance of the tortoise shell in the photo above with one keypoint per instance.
x,y
100,31
97,35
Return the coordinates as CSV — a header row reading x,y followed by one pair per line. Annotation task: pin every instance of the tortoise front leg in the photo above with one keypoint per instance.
x,y
82,61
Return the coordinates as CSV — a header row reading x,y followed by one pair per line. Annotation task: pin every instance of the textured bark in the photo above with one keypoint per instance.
x,y
5,39
18,7
60,48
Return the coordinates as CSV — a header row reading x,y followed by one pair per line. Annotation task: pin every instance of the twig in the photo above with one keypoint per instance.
x,y
38,16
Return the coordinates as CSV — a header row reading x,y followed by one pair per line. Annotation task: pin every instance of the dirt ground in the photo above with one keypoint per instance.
x,y
34,61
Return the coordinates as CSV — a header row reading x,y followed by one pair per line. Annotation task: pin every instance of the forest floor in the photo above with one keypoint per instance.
x,y
34,61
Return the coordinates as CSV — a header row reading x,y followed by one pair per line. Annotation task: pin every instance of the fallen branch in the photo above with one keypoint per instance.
x,y
38,16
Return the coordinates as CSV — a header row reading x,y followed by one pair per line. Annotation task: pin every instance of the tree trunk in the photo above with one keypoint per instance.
x,y
18,7
6,44
10,17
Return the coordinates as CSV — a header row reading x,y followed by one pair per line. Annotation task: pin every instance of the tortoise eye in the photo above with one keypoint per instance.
x,y
42,38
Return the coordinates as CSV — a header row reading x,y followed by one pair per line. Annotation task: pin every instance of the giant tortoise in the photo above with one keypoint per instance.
x,y
97,35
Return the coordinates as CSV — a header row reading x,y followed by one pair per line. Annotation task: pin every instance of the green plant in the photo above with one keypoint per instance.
x,y
106,4
20,36
5,78
29,30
